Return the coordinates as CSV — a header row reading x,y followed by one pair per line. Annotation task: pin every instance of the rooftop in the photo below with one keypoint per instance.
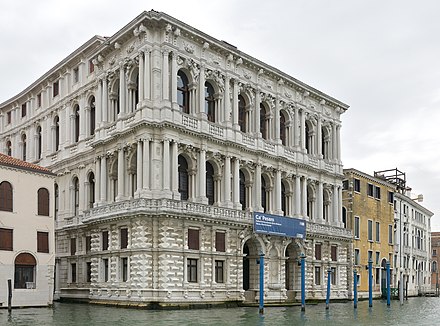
x,y
6,160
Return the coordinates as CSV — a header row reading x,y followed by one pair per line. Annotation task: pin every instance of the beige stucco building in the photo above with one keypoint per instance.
x,y
165,140
27,237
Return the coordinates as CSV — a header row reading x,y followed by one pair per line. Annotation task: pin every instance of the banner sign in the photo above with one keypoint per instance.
x,y
279,225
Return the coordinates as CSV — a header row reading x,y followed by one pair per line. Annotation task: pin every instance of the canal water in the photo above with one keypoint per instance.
x,y
415,311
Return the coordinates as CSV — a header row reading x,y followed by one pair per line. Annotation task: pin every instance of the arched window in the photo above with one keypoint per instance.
x,y
56,122
92,115
210,183
38,149
183,178
243,191
283,128
9,148
114,101
23,148
76,124
242,113
133,90
75,196
307,141
283,199
24,277
56,193
43,202
91,189
264,194
263,122
6,196
182,92
209,102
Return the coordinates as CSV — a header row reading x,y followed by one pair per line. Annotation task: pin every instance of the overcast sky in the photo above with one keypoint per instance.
x,y
380,57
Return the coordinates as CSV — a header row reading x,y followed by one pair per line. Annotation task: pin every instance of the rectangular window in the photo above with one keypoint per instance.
x,y
345,185
43,242
333,253
75,75
356,227
378,275
105,240
219,271
390,197
357,185
192,270
356,257
105,269
39,100
88,243
377,192
370,230
73,272
318,251
333,276
317,275
72,246
55,88
358,276
220,241
91,67
377,232
434,252
9,117
370,190
377,257
124,269
23,110
6,239
370,255
124,238
193,239
390,233
88,272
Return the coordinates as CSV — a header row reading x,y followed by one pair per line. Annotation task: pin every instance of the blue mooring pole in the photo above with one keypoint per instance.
x,y
261,309
355,288
327,299
388,284
370,283
303,282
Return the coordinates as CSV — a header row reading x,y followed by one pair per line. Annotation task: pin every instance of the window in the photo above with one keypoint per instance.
x,y
357,257
264,121
219,271
283,130
75,196
356,227
91,190
124,269
345,185
23,147
333,253
92,120
88,272
193,239
57,197
209,102
357,185
43,242
73,272
390,197
24,271
124,238
333,275
38,149
55,88
183,177
43,202
104,238
76,124
370,255
242,188
192,270
434,252
242,114
377,257
23,110
91,66
88,243
56,122
39,100
6,239
105,269
390,234
76,75
377,192
318,251
370,190
370,230
377,232
317,275
5,196
210,183
182,92
72,246
220,241
9,118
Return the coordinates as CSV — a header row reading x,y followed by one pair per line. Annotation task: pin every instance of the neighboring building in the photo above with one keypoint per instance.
x,y
27,238
368,211
435,246
164,141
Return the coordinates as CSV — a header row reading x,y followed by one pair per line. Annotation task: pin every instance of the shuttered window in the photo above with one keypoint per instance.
x,y
43,202
72,246
220,241
333,253
124,238
318,251
43,242
105,240
6,239
5,196
88,243
193,239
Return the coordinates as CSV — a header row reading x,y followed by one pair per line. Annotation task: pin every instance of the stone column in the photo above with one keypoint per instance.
x,y
201,111
335,203
121,174
257,183
165,75
227,102
320,201
82,119
297,196
146,165
319,140
141,85
235,105
97,181
236,186
202,176
122,91
86,118
278,193
339,208
104,100
147,74
256,126
303,137
174,77
227,182
139,168
166,165
175,170
304,197
98,105
277,124
338,143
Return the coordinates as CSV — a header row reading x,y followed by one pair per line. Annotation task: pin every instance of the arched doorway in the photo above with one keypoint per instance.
x,y
24,276
293,270
383,278
251,269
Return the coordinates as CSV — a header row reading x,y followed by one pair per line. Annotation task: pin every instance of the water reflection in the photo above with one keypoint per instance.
x,y
415,311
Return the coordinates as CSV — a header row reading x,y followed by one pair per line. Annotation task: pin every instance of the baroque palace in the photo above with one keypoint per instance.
x,y
164,141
